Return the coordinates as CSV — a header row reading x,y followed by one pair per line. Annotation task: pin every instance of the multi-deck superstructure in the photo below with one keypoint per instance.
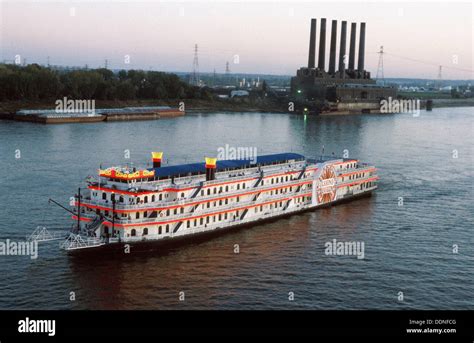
x,y
169,203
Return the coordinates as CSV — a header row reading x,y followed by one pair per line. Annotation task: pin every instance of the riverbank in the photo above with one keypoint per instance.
x,y
8,109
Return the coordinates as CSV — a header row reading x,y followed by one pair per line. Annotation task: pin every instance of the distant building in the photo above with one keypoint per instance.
x,y
316,82
239,93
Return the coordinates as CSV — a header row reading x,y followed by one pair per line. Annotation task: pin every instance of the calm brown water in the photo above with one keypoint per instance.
x,y
408,248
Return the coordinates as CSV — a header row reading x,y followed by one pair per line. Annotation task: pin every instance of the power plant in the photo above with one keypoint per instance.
x,y
347,88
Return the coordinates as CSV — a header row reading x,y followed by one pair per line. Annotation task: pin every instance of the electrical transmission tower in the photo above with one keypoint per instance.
x,y
227,69
380,77
195,75
440,76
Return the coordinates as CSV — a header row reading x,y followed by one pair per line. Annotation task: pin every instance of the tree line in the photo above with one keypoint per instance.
x,y
35,82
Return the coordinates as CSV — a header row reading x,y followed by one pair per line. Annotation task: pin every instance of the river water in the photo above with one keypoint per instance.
x,y
422,211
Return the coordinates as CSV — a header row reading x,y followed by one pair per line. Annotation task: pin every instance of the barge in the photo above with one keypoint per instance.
x,y
97,115
126,205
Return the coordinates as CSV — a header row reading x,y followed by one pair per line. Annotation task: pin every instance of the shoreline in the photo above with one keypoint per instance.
x,y
8,109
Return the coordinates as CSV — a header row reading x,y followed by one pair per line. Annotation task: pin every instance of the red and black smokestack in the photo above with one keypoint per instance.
x,y
156,158
211,164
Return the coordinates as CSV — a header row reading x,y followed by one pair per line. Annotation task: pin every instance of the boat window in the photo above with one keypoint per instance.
x,y
145,231
133,232
167,228
159,230
153,198
146,199
104,196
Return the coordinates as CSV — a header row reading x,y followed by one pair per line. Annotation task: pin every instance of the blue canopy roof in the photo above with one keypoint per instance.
x,y
200,168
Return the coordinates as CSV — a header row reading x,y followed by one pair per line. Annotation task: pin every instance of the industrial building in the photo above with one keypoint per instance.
x,y
345,82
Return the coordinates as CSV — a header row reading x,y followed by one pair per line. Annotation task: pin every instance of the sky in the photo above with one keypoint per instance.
x,y
265,37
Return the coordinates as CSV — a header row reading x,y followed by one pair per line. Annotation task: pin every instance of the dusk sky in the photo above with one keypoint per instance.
x,y
268,37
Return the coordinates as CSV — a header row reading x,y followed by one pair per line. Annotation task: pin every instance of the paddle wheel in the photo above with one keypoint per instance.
x,y
326,185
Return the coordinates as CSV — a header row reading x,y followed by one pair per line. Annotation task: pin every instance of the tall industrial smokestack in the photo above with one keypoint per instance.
x,y
332,51
342,48
352,46
312,45
322,44
360,65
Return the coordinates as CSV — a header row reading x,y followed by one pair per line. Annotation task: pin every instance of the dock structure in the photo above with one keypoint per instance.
x,y
48,116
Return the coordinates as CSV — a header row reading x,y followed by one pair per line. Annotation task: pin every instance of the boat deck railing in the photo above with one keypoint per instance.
x,y
223,176
229,207
76,241
187,201
211,226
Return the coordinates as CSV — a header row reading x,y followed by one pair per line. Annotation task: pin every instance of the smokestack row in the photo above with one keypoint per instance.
x,y
333,47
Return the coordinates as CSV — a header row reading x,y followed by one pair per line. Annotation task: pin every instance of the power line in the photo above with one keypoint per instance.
x,y
428,62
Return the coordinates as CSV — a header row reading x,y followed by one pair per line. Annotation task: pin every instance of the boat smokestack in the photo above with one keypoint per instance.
x,y
360,65
322,44
211,164
332,50
312,45
156,158
352,46
342,48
